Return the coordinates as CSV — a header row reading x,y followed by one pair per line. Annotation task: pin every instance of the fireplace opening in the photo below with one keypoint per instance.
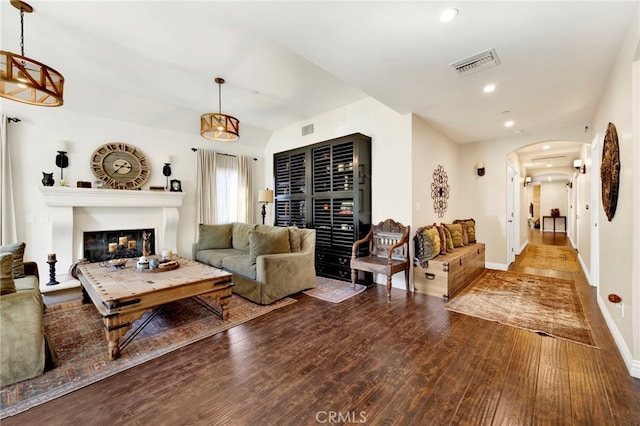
x,y
101,246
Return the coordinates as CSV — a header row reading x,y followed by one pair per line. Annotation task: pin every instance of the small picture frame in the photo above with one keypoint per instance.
x,y
176,186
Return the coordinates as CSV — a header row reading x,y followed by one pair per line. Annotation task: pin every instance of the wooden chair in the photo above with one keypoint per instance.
x,y
389,252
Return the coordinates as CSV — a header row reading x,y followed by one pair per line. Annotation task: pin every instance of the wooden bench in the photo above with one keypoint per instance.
x,y
389,248
447,274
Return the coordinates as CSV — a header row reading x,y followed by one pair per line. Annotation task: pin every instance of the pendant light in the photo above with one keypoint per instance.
x,y
26,80
219,126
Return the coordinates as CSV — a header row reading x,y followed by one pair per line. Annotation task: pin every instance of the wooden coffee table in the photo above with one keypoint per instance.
x,y
123,295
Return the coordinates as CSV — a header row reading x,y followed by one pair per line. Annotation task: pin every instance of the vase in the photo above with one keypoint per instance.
x,y
47,179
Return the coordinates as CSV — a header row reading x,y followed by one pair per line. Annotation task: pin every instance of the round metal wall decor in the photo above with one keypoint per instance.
x,y
440,191
610,171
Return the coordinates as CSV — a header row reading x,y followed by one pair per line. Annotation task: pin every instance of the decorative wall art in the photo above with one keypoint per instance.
x,y
610,171
440,191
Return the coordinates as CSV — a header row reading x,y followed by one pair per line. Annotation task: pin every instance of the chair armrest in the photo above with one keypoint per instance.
x,y
31,268
354,249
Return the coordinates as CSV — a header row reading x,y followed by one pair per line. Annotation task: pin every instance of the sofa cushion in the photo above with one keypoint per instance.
x,y
456,233
7,284
294,239
214,236
240,265
275,241
215,257
29,282
241,235
17,249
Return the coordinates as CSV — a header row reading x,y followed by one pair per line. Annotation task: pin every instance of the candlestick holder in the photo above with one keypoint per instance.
x,y
52,272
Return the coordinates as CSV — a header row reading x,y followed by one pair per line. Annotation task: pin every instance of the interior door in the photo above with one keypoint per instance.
x,y
512,181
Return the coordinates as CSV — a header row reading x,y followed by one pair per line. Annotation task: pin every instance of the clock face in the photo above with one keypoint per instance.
x,y
120,166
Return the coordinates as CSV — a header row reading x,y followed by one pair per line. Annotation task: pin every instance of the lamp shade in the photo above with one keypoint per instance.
x,y
265,196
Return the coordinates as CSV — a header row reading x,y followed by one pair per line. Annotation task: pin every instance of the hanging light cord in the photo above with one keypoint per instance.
x,y
22,30
220,98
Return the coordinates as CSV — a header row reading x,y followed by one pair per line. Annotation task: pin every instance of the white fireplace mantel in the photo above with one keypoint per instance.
x,y
63,200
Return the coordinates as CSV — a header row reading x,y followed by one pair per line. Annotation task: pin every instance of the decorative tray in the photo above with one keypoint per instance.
x,y
168,266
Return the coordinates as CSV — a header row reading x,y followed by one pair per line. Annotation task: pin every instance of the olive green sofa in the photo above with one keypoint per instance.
x,y
24,351
267,262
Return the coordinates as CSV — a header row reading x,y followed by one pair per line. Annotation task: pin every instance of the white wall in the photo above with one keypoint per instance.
x,y
553,195
33,149
618,254
390,151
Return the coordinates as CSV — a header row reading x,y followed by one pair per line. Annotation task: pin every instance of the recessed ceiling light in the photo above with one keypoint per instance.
x,y
546,147
489,88
549,165
508,123
448,14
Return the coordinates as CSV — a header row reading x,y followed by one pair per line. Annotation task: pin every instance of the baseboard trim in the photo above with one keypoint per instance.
x,y
585,271
498,266
633,366
522,247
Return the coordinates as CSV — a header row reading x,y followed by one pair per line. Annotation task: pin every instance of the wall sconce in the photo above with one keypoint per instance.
x,y
480,169
62,160
527,181
166,170
265,196
579,167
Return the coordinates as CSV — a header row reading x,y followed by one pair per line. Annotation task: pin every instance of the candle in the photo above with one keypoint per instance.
x,y
62,146
132,245
166,253
167,159
122,241
51,257
112,247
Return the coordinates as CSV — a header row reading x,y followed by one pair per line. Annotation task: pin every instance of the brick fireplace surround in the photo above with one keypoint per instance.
x,y
76,210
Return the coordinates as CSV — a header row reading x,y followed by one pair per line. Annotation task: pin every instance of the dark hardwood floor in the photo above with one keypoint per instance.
x,y
408,362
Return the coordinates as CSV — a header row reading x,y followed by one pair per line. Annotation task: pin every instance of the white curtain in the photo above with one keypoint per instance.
x,y
224,188
206,181
245,189
8,232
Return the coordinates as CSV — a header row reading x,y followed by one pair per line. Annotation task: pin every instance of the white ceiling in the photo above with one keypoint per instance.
x,y
154,62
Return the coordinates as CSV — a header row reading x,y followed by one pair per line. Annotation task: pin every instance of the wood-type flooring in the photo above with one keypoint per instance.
x,y
366,361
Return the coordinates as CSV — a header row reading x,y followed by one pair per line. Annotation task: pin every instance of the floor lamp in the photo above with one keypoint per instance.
x,y
265,196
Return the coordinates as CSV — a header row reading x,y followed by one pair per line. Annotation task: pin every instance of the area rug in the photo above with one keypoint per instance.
x,y
558,258
530,302
334,291
77,333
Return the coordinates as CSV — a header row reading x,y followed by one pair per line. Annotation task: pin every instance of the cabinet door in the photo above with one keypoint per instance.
x,y
342,168
291,213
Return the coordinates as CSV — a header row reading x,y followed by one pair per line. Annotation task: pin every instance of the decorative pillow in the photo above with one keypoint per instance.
x,y
471,228
447,236
214,236
443,239
427,242
241,231
294,239
275,241
17,250
456,233
465,236
6,274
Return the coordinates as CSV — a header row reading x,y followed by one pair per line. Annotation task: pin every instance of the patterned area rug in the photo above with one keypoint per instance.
x,y
334,291
531,302
77,333
558,258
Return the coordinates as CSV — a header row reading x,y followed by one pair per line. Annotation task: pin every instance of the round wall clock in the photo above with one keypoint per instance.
x,y
120,166
610,171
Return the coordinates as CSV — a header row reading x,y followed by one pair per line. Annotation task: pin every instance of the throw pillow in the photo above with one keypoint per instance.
x,y
471,228
465,236
443,239
6,274
241,235
448,238
456,233
275,241
431,243
214,236
294,239
17,250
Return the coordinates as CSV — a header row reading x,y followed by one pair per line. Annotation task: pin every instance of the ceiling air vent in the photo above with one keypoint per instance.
x,y
478,62
307,130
